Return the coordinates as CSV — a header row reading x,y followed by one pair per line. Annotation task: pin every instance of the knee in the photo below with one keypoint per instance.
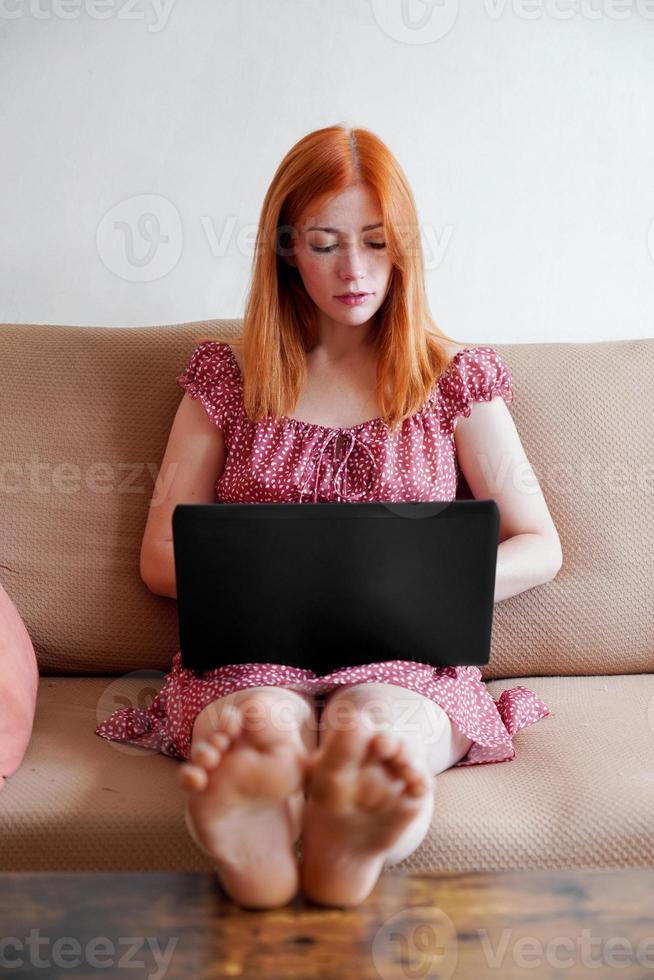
x,y
259,707
388,707
274,705
372,702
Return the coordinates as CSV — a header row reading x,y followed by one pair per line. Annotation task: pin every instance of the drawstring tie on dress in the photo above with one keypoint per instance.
x,y
354,440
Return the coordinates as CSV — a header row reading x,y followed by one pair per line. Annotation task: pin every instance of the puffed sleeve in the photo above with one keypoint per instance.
x,y
210,376
475,374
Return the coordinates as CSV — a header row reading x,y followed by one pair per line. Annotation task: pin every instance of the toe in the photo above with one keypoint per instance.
x,y
205,755
415,774
406,774
220,740
417,783
385,746
193,777
343,748
402,762
230,721
419,788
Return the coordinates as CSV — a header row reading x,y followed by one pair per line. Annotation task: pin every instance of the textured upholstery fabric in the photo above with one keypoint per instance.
x,y
19,682
85,414
84,419
580,792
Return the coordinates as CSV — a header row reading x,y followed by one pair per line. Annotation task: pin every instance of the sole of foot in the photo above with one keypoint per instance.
x,y
362,793
242,787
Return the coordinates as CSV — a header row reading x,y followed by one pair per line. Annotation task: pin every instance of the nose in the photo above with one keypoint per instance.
x,y
353,264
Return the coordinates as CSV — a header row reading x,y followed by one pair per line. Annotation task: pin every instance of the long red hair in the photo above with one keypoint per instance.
x,y
280,321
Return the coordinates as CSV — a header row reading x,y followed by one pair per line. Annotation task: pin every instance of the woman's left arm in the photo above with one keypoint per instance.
x,y
495,465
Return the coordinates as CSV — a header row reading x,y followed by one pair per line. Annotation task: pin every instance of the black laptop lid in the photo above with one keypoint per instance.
x,y
323,586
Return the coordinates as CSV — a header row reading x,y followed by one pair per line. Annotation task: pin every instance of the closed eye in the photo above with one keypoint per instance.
x,y
330,248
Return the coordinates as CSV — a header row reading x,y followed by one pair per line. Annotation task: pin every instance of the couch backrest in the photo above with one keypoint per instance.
x,y
85,414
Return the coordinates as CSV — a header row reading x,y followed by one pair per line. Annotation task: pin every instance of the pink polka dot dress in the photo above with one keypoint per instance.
x,y
293,461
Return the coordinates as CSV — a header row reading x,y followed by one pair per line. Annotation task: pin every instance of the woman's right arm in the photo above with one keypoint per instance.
x,y
194,460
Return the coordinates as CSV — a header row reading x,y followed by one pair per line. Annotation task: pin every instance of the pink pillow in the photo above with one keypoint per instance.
x,y
19,684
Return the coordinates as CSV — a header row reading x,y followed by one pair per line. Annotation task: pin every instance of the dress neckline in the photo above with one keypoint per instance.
x,y
344,428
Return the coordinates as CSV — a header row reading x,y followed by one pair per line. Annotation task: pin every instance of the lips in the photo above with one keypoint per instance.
x,y
346,295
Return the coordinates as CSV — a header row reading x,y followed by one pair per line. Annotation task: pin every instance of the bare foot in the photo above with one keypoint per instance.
x,y
244,786
362,793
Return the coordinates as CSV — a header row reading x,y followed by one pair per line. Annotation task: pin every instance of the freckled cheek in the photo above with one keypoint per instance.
x,y
317,277
383,267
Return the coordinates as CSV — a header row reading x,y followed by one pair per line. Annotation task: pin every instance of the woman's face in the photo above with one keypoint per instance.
x,y
342,250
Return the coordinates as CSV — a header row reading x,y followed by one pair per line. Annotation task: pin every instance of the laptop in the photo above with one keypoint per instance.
x,y
327,585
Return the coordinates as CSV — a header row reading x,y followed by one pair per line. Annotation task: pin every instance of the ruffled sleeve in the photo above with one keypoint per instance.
x,y
474,374
210,376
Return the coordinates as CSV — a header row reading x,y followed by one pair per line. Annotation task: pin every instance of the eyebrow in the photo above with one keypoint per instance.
x,y
336,230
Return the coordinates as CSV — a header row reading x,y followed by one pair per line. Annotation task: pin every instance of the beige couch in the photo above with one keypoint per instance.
x,y
85,414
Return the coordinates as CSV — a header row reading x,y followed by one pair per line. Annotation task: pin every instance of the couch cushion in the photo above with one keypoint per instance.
x,y
86,413
579,793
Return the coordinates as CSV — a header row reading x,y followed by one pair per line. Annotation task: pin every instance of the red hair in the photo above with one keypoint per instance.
x,y
280,322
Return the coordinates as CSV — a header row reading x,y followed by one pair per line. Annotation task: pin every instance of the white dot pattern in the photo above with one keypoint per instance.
x,y
294,461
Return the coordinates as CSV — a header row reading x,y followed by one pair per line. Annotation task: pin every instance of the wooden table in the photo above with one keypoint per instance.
x,y
597,924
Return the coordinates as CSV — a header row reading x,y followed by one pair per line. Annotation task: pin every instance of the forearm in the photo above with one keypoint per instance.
x,y
158,569
523,561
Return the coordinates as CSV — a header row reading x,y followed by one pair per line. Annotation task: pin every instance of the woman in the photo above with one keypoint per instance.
x,y
331,397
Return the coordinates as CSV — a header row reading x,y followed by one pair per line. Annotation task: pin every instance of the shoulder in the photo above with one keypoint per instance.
x,y
212,377
212,353
479,364
474,374
210,363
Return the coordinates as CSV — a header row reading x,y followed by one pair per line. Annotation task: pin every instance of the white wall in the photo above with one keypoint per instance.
x,y
525,127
